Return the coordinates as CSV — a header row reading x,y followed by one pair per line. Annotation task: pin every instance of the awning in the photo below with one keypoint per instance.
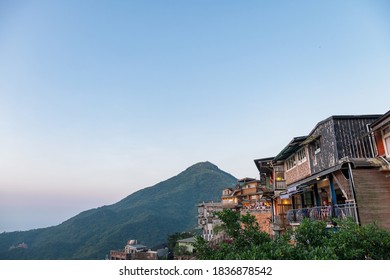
x,y
298,186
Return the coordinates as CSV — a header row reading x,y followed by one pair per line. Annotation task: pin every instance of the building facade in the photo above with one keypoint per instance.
x,y
209,222
248,196
336,171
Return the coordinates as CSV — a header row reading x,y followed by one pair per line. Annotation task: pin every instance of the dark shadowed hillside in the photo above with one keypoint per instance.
x,y
148,215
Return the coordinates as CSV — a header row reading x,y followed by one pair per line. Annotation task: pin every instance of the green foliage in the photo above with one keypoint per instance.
x,y
353,242
181,251
172,242
312,240
243,232
172,239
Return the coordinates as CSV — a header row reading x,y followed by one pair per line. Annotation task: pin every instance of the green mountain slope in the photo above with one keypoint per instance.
x,y
148,215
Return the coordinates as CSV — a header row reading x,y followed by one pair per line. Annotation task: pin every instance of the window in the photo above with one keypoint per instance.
x,y
297,201
291,162
317,146
301,155
279,173
386,140
308,201
387,143
386,130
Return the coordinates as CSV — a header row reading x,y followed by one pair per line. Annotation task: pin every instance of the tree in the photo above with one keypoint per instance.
x,y
353,242
174,248
173,238
312,240
243,233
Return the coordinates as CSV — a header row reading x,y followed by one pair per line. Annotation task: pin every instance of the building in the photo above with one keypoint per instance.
x,y
208,221
248,196
134,251
380,130
333,172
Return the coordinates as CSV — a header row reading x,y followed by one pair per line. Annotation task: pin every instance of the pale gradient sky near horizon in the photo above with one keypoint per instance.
x,y
99,99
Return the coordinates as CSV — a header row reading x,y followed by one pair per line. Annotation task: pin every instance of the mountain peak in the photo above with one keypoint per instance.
x,y
148,215
204,164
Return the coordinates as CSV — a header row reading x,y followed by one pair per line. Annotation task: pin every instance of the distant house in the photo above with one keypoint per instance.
x,y
188,244
334,171
134,251
20,246
208,221
249,196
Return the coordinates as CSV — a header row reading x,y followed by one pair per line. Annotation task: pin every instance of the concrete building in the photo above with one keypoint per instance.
x,y
209,222
134,251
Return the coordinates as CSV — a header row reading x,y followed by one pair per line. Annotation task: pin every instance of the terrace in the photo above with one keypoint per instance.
x,y
323,213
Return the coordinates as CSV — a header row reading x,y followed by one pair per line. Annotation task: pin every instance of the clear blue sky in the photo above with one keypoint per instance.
x,y
101,98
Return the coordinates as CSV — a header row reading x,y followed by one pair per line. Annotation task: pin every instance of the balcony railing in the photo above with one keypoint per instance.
x,y
322,213
280,185
256,208
246,210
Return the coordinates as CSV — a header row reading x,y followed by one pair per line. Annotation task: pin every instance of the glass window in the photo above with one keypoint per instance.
x,y
317,146
291,162
301,155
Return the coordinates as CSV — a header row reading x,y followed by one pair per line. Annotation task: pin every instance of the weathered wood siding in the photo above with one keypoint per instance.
x,y
343,184
352,137
372,189
340,137
327,156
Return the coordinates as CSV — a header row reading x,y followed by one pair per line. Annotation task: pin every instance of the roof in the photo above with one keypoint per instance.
x,y
366,162
380,121
246,179
264,164
187,240
209,204
291,148
297,142
137,246
344,117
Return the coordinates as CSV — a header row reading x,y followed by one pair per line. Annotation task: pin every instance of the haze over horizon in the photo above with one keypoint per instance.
x,y
99,99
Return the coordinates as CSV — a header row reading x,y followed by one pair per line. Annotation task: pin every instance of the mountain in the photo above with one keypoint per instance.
x,y
148,215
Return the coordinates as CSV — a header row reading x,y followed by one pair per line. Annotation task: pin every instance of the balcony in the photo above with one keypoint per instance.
x,y
256,209
280,185
322,213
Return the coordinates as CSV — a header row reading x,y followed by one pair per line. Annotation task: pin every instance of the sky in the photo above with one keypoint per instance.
x,y
99,99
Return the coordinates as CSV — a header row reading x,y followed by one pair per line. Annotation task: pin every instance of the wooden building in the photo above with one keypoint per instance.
x,y
334,171
381,134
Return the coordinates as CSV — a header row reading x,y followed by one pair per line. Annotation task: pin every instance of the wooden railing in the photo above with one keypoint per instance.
x,y
280,185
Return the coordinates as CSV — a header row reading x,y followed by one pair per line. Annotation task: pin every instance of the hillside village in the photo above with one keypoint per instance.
x,y
340,169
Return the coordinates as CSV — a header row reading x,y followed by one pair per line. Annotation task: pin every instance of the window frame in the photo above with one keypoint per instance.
x,y
291,162
317,146
301,156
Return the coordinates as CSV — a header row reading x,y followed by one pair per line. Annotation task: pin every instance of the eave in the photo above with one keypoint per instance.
x,y
291,148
